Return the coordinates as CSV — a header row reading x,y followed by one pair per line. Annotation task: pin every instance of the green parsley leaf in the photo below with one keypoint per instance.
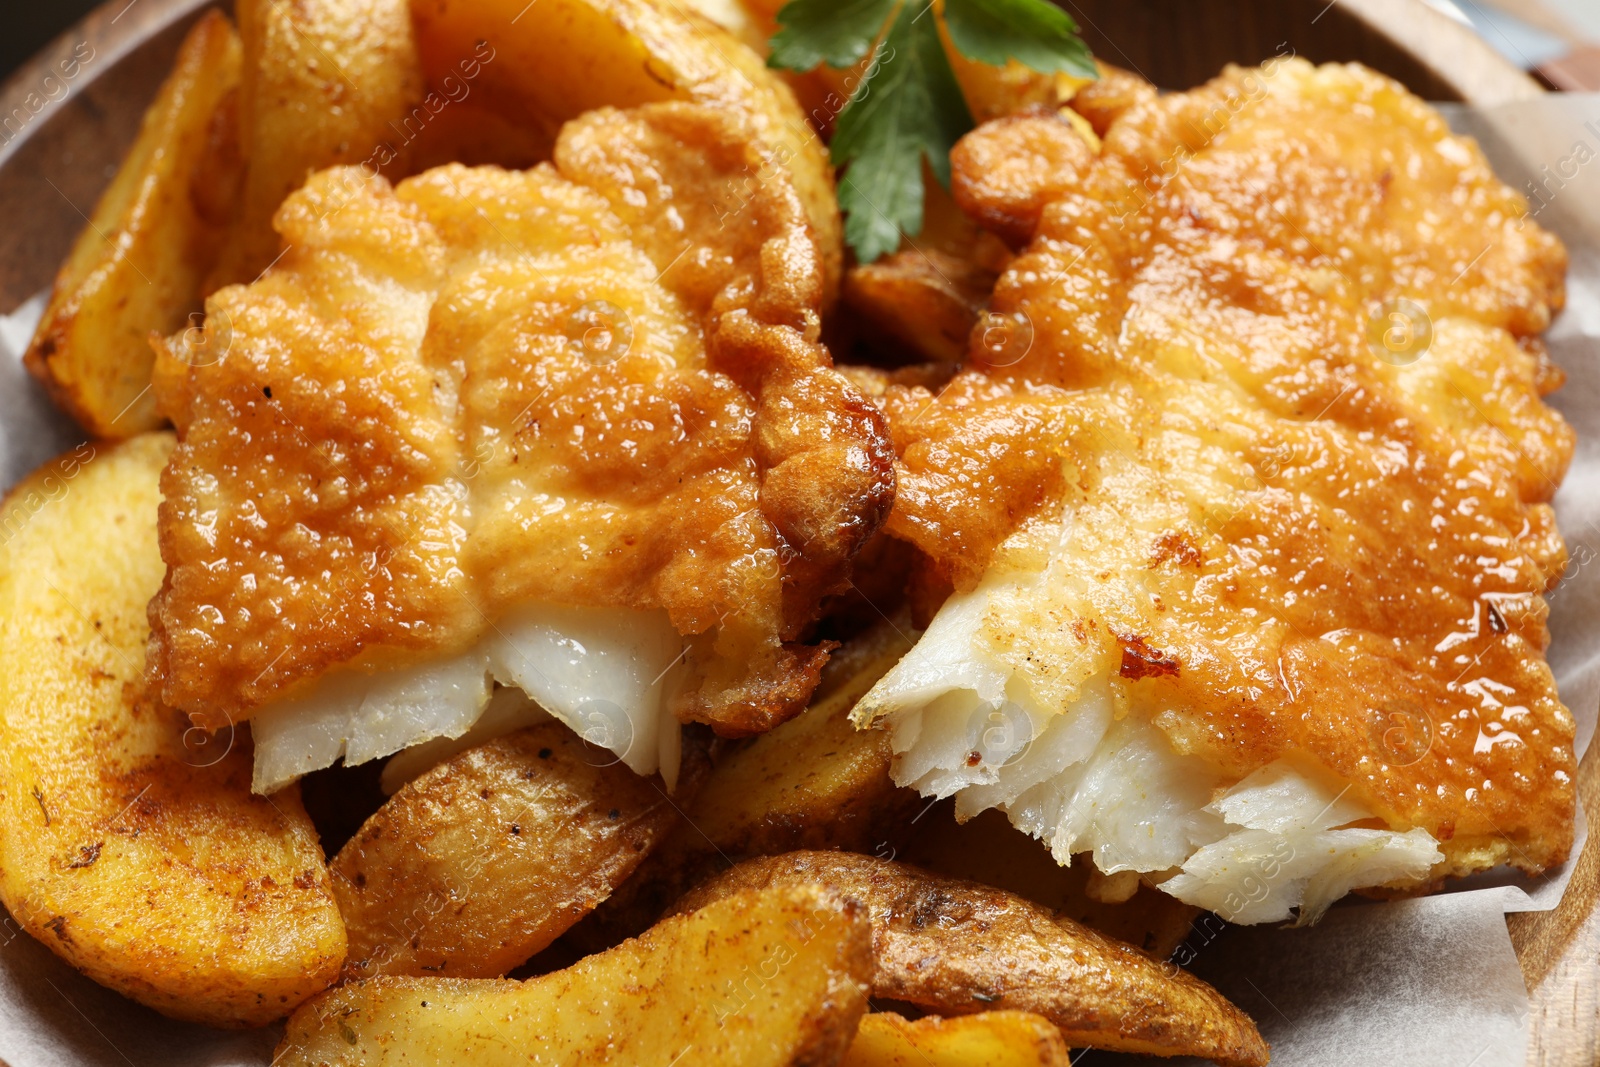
x,y
826,31
909,107
1035,33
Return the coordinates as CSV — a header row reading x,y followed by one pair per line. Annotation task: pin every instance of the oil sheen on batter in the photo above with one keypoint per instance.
x,y
1248,588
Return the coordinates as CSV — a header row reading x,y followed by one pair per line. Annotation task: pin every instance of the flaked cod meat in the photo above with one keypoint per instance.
x,y
1243,490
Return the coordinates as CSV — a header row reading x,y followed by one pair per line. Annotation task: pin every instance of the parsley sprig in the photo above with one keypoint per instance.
x,y
909,106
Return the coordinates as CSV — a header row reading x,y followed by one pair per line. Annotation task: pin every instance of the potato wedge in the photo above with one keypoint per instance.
x,y
138,265
988,849
556,59
813,782
993,92
926,300
775,977
958,947
484,860
130,845
987,1039
323,82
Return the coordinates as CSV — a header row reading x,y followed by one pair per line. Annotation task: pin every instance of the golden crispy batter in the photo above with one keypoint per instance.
x,y
560,59
485,388
1105,99
1021,163
1288,542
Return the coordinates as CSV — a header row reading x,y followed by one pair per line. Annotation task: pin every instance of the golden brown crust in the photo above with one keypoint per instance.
x,y
326,82
733,242
957,948
1105,100
483,861
567,58
130,845
486,388
762,980
1289,520
1004,175
139,263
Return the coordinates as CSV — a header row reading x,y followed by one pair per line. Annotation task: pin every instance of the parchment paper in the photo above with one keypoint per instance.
x,y
1420,983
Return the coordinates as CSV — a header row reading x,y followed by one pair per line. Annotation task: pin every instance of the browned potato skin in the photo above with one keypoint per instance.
x,y
958,947
927,300
326,82
988,849
813,782
987,1039
132,849
483,861
138,265
764,979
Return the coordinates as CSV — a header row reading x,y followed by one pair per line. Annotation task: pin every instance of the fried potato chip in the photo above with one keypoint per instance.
x,y
987,1039
762,978
927,300
326,82
988,849
138,265
813,782
486,859
958,947
131,846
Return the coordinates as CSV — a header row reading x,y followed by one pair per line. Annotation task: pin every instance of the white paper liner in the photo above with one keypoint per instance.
x,y
1424,982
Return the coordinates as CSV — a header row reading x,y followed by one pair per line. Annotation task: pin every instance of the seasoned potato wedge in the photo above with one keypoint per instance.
x,y
775,977
556,59
326,82
138,265
484,860
129,845
988,1039
813,782
958,947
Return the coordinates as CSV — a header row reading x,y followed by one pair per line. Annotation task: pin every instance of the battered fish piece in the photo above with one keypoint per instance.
x,y
1249,557
518,426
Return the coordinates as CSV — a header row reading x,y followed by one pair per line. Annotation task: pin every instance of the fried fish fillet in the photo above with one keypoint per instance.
x,y
527,426
1249,555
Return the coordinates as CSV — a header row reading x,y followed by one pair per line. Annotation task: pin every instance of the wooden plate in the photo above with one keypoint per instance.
x,y
61,138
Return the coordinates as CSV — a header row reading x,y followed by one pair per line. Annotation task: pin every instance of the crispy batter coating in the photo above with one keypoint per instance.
x,y
1105,99
1288,542
481,388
